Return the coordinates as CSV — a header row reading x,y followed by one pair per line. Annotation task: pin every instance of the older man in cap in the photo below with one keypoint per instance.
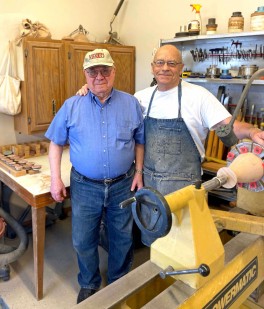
x,y
106,136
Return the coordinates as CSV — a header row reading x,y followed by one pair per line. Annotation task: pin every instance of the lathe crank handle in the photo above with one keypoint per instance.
x,y
203,270
148,206
127,202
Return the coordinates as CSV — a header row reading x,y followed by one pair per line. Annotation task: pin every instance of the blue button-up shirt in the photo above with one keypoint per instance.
x,y
102,137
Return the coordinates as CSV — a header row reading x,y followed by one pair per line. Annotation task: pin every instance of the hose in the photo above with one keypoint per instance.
x,y
7,253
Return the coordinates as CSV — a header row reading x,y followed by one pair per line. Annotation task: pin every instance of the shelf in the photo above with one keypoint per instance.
x,y
236,81
226,36
240,48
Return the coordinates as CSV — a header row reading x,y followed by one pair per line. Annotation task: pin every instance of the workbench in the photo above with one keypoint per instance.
x,y
35,191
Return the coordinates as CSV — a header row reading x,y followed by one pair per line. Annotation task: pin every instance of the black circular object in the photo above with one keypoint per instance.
x,y
204,270
227,135
152,213
223,130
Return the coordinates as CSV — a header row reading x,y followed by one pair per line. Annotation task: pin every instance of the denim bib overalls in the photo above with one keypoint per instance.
x,y
172,160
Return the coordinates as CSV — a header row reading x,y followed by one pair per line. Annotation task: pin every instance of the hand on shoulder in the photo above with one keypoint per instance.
x,y
83,91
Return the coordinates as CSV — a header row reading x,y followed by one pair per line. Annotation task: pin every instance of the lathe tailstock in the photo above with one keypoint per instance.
x,y
189,266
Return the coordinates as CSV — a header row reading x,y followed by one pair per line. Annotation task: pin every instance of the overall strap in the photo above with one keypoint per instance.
x,y
151,99
179,99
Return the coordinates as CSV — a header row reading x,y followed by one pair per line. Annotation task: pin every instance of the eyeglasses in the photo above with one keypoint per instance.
x,y
105,72
170,63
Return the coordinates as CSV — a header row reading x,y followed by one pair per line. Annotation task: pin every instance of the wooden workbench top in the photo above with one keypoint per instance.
x,y
35,187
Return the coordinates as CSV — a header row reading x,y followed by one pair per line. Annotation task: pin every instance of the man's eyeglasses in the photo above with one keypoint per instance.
x,y
170,63
105,72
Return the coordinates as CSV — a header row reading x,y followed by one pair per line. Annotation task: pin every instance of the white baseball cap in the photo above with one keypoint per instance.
x,y
97,57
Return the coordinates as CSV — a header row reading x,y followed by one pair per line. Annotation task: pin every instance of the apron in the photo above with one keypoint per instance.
x,y
171,161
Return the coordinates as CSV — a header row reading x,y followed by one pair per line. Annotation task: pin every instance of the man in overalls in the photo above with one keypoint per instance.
x,y
178,116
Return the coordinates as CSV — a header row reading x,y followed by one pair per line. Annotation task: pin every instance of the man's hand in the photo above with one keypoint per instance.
x,y
58,190
257,136
83,91
137,182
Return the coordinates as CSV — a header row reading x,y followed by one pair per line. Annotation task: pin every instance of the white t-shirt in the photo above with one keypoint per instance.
x,y
199,108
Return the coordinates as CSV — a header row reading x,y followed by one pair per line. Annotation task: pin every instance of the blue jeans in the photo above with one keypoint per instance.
x,y
89,200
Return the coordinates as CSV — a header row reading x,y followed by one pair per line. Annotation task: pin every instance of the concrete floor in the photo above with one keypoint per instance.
x,y
60,272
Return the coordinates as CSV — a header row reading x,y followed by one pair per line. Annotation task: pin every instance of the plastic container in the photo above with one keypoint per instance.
x,y
257,19
236,22
195,26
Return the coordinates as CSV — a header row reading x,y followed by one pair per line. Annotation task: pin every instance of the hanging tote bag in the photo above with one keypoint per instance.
x,y
10,94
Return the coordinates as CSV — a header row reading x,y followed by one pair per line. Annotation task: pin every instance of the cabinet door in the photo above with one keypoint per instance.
x,y
44,83
123,56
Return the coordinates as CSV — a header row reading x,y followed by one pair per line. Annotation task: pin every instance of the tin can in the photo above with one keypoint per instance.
x,y
236,22
257,19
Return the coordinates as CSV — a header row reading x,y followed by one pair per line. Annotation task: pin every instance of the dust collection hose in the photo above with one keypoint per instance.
x,y
9,254
225,132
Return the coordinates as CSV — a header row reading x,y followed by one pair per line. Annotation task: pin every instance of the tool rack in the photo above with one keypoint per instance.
x,y
226,50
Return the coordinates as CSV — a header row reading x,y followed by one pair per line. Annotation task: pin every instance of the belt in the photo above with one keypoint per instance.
x,y
106,181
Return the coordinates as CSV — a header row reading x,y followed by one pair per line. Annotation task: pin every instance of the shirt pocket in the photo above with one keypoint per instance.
x,y
124,134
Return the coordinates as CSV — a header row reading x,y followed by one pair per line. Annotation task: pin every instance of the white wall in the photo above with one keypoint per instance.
x,y
61,17
145,22
141,23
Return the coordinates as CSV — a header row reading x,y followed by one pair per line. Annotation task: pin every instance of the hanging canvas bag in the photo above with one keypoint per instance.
x,y
10,94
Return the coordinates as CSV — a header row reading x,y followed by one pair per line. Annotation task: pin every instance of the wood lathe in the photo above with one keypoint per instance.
x,y
189,266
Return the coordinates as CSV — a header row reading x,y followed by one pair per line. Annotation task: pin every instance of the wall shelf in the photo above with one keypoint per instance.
x,y
236,49
226,51
216,37
236,81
